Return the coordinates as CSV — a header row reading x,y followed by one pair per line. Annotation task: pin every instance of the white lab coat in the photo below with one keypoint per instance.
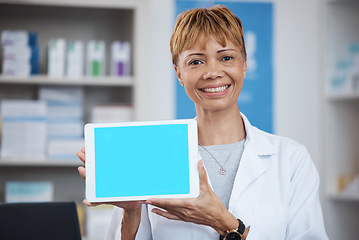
x,y
275,192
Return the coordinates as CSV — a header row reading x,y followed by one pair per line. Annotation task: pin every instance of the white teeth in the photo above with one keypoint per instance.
x,y
217,89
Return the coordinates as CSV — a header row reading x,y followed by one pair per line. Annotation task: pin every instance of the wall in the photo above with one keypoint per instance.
x,y
157,90
298,73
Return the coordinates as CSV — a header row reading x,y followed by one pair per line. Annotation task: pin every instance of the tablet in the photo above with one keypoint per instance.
x,y
141,160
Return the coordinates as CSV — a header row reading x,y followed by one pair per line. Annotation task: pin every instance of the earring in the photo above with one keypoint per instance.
x,y
182,84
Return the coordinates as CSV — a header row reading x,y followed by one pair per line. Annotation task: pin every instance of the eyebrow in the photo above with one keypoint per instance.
x,y
202,54
194,54
225,50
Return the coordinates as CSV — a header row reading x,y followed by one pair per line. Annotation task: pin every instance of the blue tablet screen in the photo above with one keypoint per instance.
x,y
142,160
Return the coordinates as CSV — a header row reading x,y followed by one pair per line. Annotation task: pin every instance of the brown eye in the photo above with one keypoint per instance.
x,y
227,58
195,62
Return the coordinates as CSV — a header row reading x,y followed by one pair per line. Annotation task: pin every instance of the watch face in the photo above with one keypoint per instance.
x,y
233,236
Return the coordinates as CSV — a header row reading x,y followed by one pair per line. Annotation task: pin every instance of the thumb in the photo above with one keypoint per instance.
x,y
203,180
87,203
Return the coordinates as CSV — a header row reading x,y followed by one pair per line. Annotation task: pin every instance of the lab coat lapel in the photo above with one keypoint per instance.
x,y
251,166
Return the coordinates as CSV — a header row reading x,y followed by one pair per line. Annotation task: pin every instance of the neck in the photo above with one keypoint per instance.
x,y
220,127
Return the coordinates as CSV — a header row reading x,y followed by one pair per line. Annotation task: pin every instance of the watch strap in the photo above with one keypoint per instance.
x,y
241,228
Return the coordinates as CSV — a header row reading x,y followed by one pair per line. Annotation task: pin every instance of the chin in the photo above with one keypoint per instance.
x,y
218,107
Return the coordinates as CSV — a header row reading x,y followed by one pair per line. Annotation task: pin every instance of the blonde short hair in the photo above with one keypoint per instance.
x,y
217,21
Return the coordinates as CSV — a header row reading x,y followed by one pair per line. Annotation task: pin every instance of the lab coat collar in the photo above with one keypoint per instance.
x,y
261,144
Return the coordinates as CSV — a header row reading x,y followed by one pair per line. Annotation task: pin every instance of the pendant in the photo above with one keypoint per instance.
x,y
222,171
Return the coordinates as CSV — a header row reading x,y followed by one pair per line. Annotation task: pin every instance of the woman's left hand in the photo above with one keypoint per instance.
x,y
206,209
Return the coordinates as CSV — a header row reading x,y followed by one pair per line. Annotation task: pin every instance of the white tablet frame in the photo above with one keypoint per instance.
x,y
89,130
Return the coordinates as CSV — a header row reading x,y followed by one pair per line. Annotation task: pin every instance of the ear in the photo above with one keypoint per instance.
x,y
178,74
244,68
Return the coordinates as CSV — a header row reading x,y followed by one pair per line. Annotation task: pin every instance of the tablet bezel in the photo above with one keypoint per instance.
x,y
193,157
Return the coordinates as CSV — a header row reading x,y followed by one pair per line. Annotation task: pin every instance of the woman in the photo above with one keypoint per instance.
x,y
259,186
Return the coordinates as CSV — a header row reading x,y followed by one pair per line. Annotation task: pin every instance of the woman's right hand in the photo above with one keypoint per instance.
x,y
128,206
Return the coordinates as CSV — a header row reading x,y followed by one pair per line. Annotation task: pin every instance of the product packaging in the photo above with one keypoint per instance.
x,y
74,59
20,53
56,58
95,58
120,58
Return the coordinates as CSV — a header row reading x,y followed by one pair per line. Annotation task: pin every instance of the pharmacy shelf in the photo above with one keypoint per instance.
x,y
344,197
343,96
37,163
85,81
85,20
340,120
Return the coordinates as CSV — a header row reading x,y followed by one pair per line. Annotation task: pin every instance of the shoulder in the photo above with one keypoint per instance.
x,y
280,144
287,151
281,150
269,144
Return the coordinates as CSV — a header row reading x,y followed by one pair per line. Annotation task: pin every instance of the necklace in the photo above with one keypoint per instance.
x,y
222,170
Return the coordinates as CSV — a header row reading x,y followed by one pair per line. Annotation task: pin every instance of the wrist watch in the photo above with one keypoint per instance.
x,y
235,234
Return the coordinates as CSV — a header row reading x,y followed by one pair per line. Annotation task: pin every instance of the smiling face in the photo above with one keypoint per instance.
x,y
212,74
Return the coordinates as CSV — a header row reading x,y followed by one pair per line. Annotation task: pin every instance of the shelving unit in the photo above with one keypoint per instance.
x,y
341,122
341,109
107,20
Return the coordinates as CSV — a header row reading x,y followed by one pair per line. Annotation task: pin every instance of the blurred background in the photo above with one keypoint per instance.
x,y
66,63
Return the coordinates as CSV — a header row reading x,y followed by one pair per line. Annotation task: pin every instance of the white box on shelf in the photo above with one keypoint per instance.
x,y
19,53
64,121
75,59
345,80
341,82
64,150
16,68
16,53
14,38
56,58
61,94
64,112
65,130
34,191
24,130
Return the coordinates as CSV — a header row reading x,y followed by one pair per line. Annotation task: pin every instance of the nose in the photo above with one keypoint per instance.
x,y
213,70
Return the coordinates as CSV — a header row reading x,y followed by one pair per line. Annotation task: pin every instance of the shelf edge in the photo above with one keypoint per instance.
x,y
85,81
130,4
344,197
342,96
37,163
